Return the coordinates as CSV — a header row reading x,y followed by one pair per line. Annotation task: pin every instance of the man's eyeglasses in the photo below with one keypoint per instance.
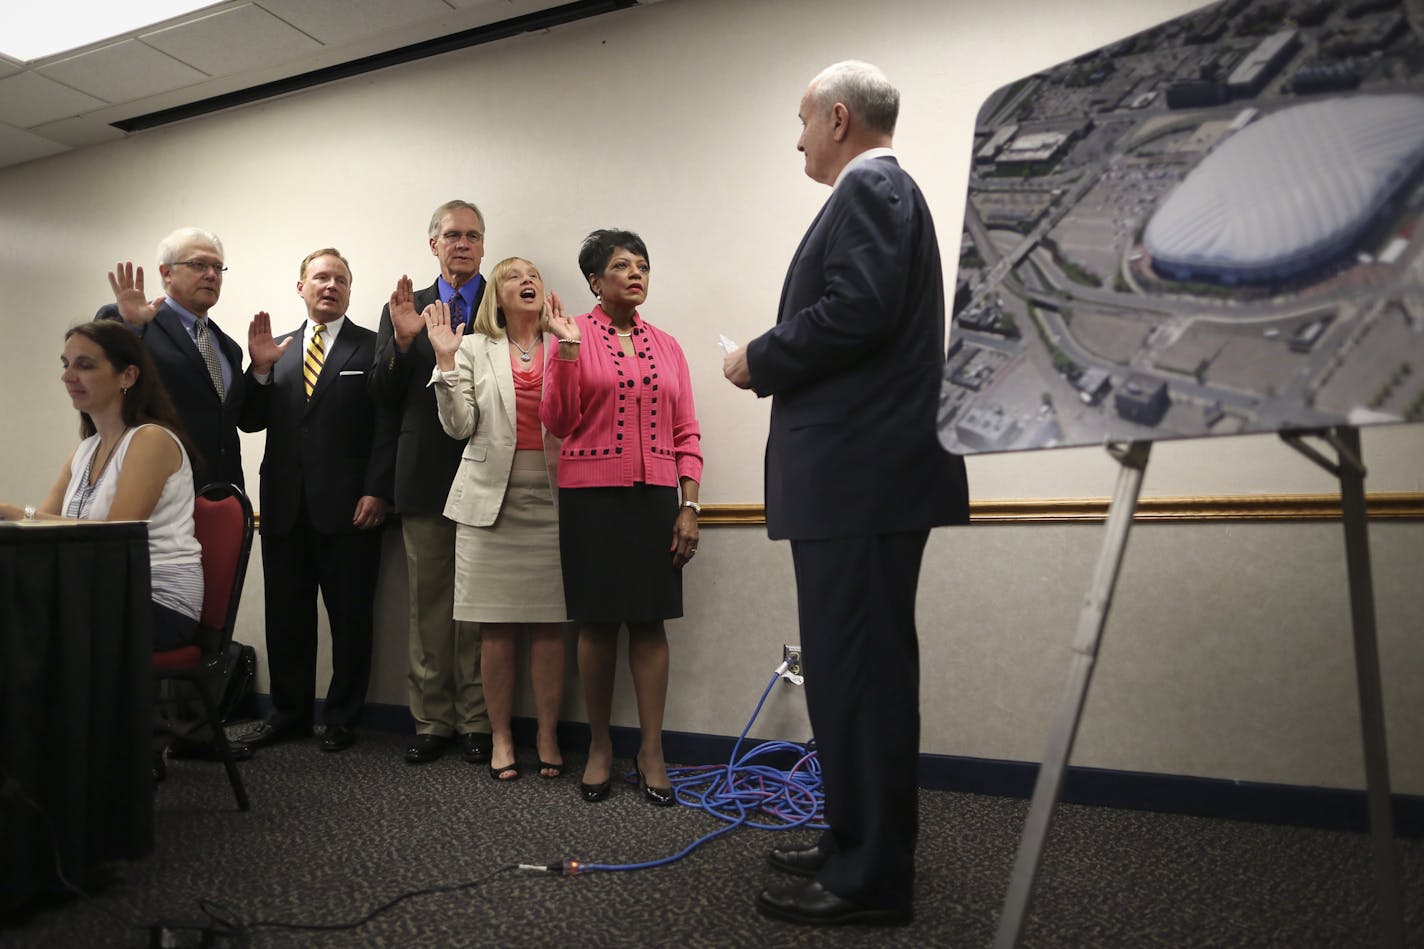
x,y
201,266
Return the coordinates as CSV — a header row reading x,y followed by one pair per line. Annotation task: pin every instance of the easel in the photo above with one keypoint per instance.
x,y
1132,457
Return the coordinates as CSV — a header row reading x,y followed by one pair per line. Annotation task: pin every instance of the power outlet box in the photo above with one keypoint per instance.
x,y
791,655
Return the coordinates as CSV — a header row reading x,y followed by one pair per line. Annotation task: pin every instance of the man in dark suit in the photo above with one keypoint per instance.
x,y
855,478
446,695
325,488
200,365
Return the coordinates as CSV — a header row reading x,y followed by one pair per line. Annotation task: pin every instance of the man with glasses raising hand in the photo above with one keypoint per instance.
x,y
200,365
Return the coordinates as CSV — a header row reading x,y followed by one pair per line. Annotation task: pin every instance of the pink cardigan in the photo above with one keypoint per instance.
x,y
582,398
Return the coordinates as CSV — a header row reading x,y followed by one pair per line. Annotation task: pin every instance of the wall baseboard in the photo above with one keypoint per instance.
x,y
1322,808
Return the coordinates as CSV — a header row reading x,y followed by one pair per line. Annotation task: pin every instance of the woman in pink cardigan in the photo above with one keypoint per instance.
x,y
619,395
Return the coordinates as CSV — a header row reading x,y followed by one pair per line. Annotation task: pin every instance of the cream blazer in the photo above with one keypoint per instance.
x,y
476,402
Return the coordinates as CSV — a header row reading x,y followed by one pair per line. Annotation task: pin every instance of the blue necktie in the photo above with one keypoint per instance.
x,y
457,311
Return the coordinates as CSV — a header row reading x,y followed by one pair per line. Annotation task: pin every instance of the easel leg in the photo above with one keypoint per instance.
x,y
1367,676
1091,620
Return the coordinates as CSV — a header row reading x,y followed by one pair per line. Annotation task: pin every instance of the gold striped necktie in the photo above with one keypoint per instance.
x,y
316,353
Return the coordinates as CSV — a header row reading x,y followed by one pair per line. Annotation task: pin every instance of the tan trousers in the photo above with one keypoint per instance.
x,y
446,694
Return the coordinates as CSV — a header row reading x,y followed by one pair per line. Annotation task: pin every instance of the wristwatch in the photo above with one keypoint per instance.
x,y
696,508
29,512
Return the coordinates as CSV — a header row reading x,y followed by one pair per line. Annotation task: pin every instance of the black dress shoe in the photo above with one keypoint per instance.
x,y
337,738
660,797
426,748
803,863
478,746
811,903
270,733
593,793
186,749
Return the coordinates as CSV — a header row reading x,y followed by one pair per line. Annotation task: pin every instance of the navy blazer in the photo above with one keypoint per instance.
x,y
323,453
211,423
426,457
854,368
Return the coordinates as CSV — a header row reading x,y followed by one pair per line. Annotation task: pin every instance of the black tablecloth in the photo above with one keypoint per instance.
x,y
76,703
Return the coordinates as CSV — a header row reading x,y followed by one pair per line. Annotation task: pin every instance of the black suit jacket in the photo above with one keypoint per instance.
x,y
211,422
325,452
854,367
426,458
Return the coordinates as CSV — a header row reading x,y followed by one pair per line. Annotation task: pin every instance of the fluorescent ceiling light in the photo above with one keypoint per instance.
x,y
36,30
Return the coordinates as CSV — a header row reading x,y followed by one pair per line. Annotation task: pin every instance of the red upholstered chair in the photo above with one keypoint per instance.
x,y
223,522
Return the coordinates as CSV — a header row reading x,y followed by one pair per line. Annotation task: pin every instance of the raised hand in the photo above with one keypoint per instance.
x,y
445,341
127,284
262,349
563,327
406,322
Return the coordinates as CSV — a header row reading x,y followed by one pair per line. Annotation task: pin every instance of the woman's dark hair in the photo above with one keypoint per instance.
x,y
146,400
598,248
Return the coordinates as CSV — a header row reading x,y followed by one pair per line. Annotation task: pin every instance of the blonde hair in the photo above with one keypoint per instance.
x,y
489,319
324,252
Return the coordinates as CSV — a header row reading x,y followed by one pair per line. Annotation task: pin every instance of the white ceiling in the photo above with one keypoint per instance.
x,y
72,99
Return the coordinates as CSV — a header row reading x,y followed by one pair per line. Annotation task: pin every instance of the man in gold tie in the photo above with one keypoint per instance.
x,y
325,488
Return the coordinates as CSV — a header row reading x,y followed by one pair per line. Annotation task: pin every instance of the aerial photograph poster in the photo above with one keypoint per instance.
x,y
1203,229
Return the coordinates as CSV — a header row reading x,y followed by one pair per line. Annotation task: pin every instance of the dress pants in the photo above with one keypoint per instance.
x,y
343,567
856,607
446,692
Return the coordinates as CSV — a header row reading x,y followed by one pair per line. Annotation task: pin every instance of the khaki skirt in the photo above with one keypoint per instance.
x,y
509,572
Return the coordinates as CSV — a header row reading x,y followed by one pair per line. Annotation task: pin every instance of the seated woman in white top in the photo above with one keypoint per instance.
x,y
131,466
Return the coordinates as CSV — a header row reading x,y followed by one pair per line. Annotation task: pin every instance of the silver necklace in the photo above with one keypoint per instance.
x,y
524,353
87,490
625,335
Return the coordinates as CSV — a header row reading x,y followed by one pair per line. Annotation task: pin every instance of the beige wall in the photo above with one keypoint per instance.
x,y
1228,650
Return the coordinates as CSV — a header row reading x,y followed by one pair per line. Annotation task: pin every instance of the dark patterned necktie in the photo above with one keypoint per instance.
x,y
457,311
204,339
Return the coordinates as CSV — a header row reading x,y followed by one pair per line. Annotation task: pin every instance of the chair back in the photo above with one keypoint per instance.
x,y
223,524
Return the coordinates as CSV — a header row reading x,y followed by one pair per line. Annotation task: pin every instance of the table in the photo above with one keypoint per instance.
x,y
76,702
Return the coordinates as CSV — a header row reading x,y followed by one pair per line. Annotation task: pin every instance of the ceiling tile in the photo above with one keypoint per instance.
x,y
17,145
28,99
123,71
236,40
79,131
339,22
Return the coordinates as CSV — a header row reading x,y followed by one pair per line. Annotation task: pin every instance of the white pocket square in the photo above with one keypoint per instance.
x,y
353,372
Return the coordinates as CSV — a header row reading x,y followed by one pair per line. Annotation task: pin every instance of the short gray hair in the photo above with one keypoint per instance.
x,y
446,208
863,89
171,246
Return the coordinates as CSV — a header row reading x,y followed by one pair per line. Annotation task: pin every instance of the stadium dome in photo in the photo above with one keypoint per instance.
x,y
1288,192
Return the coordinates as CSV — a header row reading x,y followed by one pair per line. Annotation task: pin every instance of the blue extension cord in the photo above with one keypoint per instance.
x,y
736,793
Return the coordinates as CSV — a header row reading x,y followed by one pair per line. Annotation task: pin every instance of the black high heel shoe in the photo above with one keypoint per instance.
x,y
661,797
593,793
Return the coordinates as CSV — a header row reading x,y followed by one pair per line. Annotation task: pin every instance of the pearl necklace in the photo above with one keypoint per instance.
x,y
524,353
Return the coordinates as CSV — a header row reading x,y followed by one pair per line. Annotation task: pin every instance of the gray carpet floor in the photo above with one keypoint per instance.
x,y
331,838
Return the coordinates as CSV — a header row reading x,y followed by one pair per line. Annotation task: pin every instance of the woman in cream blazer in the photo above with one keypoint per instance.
x,y
488,382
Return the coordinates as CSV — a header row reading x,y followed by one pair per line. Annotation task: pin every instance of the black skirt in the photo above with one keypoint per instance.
x,y
615,546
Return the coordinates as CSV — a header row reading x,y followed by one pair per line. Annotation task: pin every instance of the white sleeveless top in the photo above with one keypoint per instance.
x,y
175,558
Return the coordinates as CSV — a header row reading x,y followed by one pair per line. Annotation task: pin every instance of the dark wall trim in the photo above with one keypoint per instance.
x,y
489,33
1325,808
